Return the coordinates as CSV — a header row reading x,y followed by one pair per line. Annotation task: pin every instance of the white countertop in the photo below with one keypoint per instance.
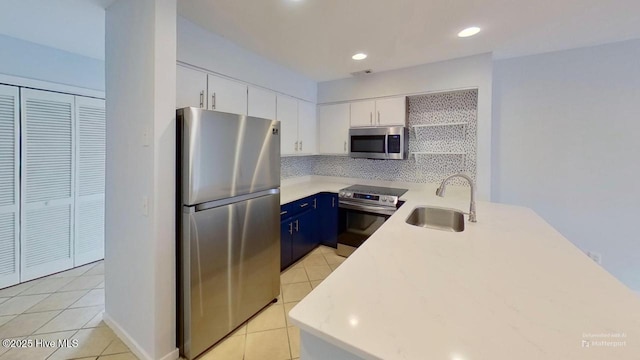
x,y
507,287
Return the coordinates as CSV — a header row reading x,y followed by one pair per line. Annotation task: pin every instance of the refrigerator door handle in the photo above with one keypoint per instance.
x,y
224,202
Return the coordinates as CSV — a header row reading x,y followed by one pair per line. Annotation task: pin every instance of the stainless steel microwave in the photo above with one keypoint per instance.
x,y
388,142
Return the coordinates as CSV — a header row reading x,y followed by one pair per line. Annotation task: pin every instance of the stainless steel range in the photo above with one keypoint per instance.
x,y
363,209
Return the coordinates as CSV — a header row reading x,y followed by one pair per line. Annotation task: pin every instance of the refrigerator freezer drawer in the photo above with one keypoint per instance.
x,y
225,155
230,269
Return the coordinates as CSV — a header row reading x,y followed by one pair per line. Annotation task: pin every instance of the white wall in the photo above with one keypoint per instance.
x,y
140,249
469,72
204,49
565,133
75,26
33,61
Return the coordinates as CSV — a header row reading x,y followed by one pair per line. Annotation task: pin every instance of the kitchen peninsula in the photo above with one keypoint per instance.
x,y
507,287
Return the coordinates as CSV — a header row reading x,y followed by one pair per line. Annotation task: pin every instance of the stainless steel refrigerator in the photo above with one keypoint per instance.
x,y
228,223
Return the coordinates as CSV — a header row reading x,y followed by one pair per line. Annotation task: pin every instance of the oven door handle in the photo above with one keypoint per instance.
x,y
386,144
367,208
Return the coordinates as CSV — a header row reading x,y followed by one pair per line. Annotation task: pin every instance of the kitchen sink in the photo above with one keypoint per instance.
x,y
437,218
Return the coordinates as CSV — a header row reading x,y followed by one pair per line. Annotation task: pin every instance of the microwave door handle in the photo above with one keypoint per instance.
x,y
386,144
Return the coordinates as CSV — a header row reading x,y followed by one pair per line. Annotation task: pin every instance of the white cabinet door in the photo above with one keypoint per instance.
x,y
227,95
306,127
362,113
333,129
89,199
47,183
287,114
9,186
191,88
261,103
391,111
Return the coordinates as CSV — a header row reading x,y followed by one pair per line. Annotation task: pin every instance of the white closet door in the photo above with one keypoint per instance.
x,y
89,204
47,179
9,186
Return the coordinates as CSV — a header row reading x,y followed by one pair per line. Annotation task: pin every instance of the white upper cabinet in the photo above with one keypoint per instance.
x,y
226,95
306,127
297,118
381,112
48,183
391,111
333,129
362,113
191,88
9,186
262,103
287,114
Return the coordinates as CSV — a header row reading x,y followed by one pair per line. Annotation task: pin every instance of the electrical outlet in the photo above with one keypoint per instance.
x,y
145,137
145,206
595,257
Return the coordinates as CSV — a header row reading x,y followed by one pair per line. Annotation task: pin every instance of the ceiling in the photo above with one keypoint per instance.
x,y
318,37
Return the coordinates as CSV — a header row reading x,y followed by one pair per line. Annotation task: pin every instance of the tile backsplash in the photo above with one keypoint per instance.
x,y
458,142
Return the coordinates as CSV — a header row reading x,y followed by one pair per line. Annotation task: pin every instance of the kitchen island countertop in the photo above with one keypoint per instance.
x,y
507,287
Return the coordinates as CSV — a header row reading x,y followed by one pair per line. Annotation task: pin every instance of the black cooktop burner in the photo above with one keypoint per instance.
x,y
376,190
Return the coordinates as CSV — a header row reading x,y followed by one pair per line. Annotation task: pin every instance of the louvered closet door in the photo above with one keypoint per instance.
x,y
46,235
9,193
89,220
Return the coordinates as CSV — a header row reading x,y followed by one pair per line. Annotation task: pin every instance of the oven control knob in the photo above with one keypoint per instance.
x,y
348,194
384,198
341,194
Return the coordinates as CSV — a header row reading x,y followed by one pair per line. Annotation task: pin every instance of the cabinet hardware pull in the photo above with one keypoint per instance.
x,y
282,212
378,117
370,118
300,145
315,203
202,99
296,147
304,205
333,202
213,100
345,146
297,226
291,228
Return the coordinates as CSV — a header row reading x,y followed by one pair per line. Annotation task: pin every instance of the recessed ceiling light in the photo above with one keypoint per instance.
x,y
470,31
359,56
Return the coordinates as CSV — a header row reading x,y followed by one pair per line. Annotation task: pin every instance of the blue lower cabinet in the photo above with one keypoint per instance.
x,y
328,217
305,224
286,251
305,235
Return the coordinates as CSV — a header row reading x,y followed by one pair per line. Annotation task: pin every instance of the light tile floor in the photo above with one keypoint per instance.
x,y
270,335
67,305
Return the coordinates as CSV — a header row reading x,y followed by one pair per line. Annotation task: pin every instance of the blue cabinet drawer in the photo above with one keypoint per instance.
x,y
297,207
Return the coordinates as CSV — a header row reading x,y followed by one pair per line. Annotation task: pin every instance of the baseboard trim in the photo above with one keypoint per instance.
x,y
135,348
175,354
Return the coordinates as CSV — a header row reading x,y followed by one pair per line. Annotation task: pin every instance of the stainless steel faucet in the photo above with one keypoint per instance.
x,y
472,207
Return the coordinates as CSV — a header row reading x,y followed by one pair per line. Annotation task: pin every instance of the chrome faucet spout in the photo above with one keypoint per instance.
x,y
472,207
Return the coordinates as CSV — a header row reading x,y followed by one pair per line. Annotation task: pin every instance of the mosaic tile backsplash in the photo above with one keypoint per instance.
x,y
457,141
